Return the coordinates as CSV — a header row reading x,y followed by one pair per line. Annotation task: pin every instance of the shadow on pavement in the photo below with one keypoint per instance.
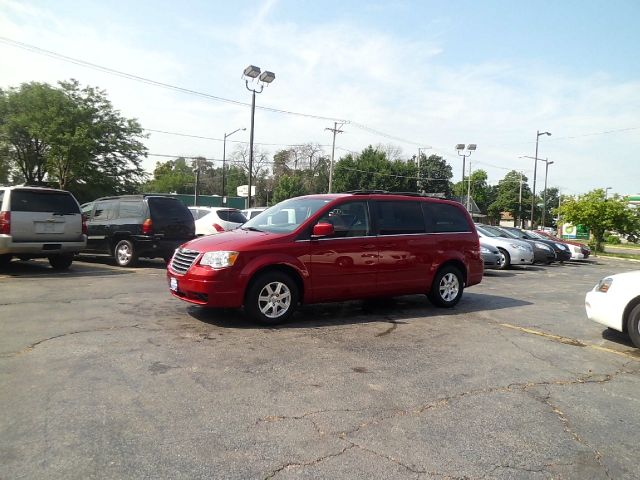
x,y
393,310
39,268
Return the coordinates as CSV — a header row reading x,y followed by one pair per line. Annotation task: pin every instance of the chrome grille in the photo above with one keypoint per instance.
x,y
183,259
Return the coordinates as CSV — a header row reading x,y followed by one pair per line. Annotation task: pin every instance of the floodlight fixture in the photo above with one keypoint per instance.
x,y
460,146
252,71
267,77
472,146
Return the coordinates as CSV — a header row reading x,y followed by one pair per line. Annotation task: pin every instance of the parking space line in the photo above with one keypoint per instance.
x,y
570,341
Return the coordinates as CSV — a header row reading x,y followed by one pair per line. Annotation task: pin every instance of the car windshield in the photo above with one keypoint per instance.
x,y
536,235
509,233
286,216
496,231
485,232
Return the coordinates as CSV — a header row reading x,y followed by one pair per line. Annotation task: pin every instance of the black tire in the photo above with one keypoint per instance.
x,y
125,253
633,325
505,264
60,262
5,259
447,287
271,298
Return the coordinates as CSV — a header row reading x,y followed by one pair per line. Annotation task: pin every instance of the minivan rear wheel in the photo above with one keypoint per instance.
x,y
125,253
447,287
272,298
60,262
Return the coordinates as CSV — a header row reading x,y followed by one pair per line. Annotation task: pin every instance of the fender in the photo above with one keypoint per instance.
x,y
260,262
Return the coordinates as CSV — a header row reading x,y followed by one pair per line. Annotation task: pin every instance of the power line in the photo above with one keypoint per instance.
x,y
129,76
232,141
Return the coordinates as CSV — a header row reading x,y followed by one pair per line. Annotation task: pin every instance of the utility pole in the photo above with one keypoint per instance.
x,y
335,130
520,203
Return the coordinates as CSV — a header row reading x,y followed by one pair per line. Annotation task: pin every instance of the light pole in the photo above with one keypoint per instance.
x,y
470,149
535,171
606,192
224,165
335,131
263,78
469,191
544,197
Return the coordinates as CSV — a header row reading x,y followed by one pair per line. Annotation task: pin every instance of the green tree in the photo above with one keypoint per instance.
x,y
172,176
435,176
508,197
600,215
73,137
289,186
481,192
371,170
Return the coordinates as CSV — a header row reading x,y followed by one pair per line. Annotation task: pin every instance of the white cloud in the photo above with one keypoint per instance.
x,y
402,87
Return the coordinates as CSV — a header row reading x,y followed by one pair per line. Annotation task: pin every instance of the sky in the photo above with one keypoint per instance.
x,y
413,74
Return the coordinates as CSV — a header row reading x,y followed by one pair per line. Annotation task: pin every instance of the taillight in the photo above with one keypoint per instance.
x,y
85,228
218,227
147,227
5,223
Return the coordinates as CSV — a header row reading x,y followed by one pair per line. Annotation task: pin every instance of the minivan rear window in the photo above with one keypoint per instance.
x,y
446,218
399,218
43,201
169,208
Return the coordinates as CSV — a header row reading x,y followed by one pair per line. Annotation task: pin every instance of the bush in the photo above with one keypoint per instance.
x,y
614,240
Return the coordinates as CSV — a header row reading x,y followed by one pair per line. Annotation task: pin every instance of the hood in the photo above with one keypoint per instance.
x,y
236,240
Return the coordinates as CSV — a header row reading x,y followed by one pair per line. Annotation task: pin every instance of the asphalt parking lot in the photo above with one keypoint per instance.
x,y
105,375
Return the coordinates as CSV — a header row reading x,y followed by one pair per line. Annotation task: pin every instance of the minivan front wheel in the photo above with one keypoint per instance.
x,y
272,298
125,253
447,287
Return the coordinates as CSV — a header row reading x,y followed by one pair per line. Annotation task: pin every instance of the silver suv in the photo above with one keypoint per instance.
x,y
40,222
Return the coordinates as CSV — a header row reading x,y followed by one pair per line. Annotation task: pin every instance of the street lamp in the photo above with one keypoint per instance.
x,y
606,192
470,149
544,197
224,164
535,171
264,78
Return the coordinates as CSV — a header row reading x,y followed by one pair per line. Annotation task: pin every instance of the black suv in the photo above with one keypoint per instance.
x,y
133,226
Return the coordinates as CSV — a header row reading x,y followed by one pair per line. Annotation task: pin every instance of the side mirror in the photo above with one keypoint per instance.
x,y
322,230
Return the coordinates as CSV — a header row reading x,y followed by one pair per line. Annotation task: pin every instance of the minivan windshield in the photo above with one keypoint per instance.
x,y
286,216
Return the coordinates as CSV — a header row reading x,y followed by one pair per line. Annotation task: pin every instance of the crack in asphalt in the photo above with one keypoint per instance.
x,y
566,425
309,463
586,378
32,346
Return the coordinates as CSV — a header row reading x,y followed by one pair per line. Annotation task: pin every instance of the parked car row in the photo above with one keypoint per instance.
x,y
524,247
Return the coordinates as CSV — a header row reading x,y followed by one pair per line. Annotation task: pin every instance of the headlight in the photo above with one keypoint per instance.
x,y
219,259
604,284
561,246
543,246
484,250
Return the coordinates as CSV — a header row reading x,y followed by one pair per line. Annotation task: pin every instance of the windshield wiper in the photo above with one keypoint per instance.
x,y
253,229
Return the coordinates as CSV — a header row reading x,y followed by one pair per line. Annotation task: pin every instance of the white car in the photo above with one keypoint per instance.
x,y
615,303
252,212
212,220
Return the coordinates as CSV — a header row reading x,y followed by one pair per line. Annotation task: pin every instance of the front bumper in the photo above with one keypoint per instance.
x,y
602,308
213,289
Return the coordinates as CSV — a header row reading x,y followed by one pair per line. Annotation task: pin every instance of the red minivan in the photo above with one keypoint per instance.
x,y
332,247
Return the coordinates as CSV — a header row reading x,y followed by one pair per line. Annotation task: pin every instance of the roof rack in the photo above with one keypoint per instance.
x,y
386,192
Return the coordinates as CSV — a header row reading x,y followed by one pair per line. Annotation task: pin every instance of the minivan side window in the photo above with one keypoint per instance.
x,y
104,210
349,219
400,218
445,218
